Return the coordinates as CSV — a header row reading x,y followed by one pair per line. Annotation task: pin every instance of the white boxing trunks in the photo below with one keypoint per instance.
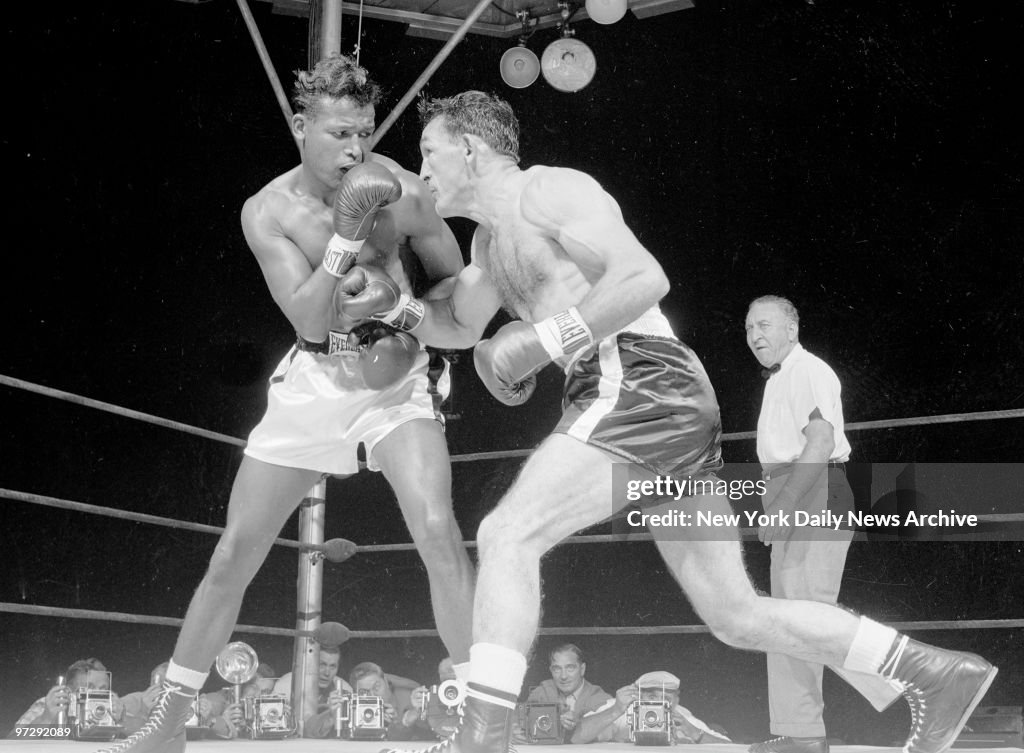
x,y
319,410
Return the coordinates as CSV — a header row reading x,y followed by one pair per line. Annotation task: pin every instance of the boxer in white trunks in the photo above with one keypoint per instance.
x,y
342,385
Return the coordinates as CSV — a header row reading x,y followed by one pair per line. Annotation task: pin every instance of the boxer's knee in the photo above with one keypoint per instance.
x,y
500,535
738,623
234,563
438,540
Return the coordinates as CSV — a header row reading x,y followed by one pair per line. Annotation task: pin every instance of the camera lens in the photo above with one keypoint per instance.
x,y
651,719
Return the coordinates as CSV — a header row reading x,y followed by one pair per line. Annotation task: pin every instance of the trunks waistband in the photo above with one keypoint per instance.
x,y
651,323
336,342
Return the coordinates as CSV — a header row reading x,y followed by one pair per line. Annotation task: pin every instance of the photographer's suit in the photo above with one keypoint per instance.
x,y
589,697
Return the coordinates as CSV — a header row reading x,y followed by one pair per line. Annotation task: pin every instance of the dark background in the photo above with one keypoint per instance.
x,y
865,161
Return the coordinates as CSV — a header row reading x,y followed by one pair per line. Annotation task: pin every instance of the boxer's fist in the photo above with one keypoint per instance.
x,y
364,191
508,362
365,291
370,292
385,355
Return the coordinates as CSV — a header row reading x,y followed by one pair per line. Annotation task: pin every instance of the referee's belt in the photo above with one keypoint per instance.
x,y
336,342
783,468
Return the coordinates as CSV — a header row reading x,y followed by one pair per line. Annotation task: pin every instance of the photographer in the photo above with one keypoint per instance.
x,y
330,689
225,718
85,673
401,716
609,722
569,688
439,716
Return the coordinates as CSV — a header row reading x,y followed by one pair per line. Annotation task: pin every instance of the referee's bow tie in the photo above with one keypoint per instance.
x,y
765,373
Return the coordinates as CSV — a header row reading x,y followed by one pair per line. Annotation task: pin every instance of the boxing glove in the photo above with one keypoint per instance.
x,y
364,191
508,362
385,355
370,292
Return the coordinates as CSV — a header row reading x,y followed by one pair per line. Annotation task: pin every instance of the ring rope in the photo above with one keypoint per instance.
x,y
111,512
892,423
91,614
139,517
118,410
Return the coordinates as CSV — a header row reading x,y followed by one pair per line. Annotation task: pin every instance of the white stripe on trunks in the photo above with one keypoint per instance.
x,y
607,391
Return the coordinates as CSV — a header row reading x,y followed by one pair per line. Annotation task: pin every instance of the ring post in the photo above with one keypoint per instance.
x,y
306,657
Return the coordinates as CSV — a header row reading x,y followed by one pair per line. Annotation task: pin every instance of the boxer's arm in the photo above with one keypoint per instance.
x,y
429,236
456,321
573,209
459,320
304,294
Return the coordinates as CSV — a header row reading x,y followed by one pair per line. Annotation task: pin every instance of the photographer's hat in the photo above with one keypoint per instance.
x,y
660,679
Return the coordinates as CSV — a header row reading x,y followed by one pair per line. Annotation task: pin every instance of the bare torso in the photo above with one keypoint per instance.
x,y
307,222
531,271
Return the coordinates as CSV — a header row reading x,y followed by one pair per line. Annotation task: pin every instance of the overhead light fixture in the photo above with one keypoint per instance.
x,y
606,11
568,64
519,66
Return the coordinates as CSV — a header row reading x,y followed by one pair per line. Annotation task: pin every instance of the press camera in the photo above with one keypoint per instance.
x,y
542,723
440,707
90,714
650,722
268,717
361,717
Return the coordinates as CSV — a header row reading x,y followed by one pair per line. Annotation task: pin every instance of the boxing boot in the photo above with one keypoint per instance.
x,y
484,726
164,732
942,687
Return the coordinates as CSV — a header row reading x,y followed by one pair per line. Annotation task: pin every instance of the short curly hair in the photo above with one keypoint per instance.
x,y
485,115
334,77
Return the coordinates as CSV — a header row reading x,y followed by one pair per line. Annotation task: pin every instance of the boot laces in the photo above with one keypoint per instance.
x,y
445,743
157,715
440,744
918,709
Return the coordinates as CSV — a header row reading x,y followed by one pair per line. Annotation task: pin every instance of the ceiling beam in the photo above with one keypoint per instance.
x,y
431,26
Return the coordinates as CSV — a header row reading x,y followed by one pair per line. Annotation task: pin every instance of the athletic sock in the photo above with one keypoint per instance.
x,y
190,678
871,645
497,667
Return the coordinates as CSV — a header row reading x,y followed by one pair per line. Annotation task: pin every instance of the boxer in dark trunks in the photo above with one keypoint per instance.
x,y
552,246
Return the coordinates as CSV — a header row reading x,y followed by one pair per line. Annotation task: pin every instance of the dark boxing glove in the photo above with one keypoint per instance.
x,y
364,191
385,355
508,363
370,292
